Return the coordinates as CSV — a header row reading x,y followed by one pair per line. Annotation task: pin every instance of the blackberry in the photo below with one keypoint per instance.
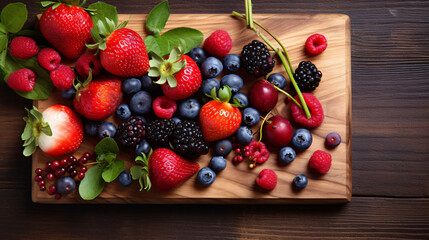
x,y
256,59
307,76
188,139
131,132
159,132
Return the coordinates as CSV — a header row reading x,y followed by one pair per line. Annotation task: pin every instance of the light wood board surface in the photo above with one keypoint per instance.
x,y
236,184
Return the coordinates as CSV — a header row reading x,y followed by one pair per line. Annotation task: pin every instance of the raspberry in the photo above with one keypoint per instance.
x,y
267,179
164,107
23,47
218,44
315,108
49,59
22,80
321,161
88,61
63,77
257,152
316,43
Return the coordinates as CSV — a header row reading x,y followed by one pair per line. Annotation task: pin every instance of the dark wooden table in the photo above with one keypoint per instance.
x,y
390,87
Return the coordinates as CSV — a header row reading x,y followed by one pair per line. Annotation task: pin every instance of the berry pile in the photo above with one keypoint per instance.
x,y
160,131
256,59
307,76
188,139
131,132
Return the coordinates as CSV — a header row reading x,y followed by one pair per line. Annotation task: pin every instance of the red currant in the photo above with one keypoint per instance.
x,y
52,189
58,196
86,155
81,175
240,158
43,188
41,183
38,171
73,173
82,161
83,169
70,168
64,162
55,165
38,178
60,172
238,150
73,160
50,176
48,166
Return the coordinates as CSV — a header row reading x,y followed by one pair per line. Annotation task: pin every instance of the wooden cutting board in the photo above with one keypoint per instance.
x,y
236,184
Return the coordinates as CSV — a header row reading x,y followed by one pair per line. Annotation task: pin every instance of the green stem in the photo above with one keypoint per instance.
x,y
91,163
262,125
288,95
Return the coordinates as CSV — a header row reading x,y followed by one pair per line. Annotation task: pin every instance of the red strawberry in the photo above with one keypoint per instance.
x,y
98,99
167,170
219,118
67,28
58,131
180,72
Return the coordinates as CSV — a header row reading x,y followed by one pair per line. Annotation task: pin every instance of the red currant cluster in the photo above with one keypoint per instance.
x,y
57,169
255,151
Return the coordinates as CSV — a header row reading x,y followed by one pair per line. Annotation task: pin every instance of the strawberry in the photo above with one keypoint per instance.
x,y
98,99
122,51
180,72
58,131
167,170
67,28
219,118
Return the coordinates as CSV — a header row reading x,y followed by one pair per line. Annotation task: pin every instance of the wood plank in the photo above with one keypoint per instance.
x,y
362,218
236,183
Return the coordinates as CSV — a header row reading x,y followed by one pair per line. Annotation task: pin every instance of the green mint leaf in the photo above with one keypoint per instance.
x,y
188,38
112,171
105,146
159,45
101,12
3,42
42,88
136,172
109,157
3,28
92,184
47,3
14,16
157,18
3,54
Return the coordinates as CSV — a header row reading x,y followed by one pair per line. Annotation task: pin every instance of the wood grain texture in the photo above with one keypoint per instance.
x,y
236,184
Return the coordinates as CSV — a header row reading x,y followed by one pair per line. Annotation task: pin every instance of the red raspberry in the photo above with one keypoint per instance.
x,y
316,43
267,179
63,77
164,107
315,108
23,47
218,44
22,80
49,59
88,61
321,161
258,152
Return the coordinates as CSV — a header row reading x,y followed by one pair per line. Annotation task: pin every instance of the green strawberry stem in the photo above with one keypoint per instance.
x,y
35,126
249,21
287,94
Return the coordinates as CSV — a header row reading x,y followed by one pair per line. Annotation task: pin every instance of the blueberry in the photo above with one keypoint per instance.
x,y
68,94
242,98
208,84
301,139
333,139
198,55
65,185
251,116
231,62
206,176
244,135
143,147
176,120
141,102
189,108
91,128
217,163
234,82
107,129
123,111
277,79
222,147
131,85
300,181
125,178
211,67
287,154
148,84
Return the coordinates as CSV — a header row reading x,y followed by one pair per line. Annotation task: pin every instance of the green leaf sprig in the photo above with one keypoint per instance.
x,y
282,53
13,17
163,44
107,168
141,172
